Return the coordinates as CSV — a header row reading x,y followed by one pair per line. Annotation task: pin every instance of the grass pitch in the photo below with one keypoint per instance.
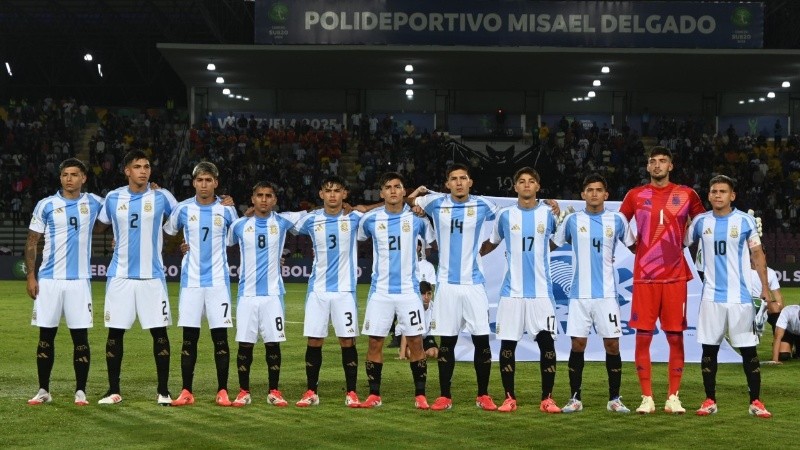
x,y
139,422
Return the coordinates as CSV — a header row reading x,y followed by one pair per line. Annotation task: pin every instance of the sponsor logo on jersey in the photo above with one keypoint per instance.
x,y
381,226
59,210
708,231
433,324
249,229
193,218
107,317
515,227
582,229
122,207
648,202
319,227
366,325
33,317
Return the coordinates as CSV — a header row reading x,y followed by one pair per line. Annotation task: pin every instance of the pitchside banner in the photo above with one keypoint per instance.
x,y
679,24
561,273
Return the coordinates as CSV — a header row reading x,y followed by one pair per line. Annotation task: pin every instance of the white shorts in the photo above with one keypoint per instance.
x,y
337,307
73,298
516,315
603,313
260,316
381,309
214,302
735,318
127,297
459,306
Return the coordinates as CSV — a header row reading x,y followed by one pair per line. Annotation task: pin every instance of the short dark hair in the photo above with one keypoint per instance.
x,y
425,287
72,162
595,178
723,179
389,176
659,150
133,155
453,167
334,180
205,167
265,184
527,171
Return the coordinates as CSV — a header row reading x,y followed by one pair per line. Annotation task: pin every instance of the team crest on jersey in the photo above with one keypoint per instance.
x,y
676,200
273,229
193,218
59,210
122,207
708,231
433,325
84,209
734,232
406,226
609,232
148,206
217,220
582,229
344,227
446,210
515,227
471,211
540,228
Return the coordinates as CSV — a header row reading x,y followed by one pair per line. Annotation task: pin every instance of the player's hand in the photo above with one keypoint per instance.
x,y
184,248
250,212
283,261
554,206
33,287
347,208
771,363
360,208
226,200
418,211
421,190
154,185
759,227
113,243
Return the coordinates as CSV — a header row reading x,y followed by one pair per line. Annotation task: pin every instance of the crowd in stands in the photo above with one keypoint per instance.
x,y
36,136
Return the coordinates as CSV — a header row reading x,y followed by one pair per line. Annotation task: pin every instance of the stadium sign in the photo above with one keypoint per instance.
x,y
679,24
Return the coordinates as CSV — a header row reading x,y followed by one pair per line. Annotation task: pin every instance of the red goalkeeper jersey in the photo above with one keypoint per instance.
x,y
661,216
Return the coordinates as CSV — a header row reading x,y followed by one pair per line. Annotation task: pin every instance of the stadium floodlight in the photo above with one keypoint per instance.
x,y
750,100
409,68
409,81
409,92
586,98
596,83
231,96
761,99
211,67
247,99
741,102
100,70
88,57
220,80
605,69
238,96
591,94
226,91
770,94
574,99
580,99
8,69
786,84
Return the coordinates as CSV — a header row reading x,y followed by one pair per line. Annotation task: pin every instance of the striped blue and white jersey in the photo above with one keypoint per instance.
x,y
394,249
335,257
136,219
594,238
205,229
261,242
527,234
726,243
458,232
67,228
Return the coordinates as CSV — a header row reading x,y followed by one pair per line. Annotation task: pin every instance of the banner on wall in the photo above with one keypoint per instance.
x,y
561,273
637,24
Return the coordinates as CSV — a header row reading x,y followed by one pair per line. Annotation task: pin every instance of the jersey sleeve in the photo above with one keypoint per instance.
x,y
695,204
104,216
627,234
233,238
173,224
429,236
300,227
497,230
364,231
491,207
560,237
628,205
772,279
691,237
171,202
753,239
38,221
783,319
293,216
426,201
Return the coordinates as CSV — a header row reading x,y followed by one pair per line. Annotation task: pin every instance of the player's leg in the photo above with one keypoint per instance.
x,y
606,318
646,302
271,323
344,315
188,362
47,310
579,323
45,354
78,315
711,329
378,319
446,321
244,359
218,313
315,327
431,347
161,354
119,314
540,321
510,326
152,307
411,317
475,307
247,331
743,336
673,322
